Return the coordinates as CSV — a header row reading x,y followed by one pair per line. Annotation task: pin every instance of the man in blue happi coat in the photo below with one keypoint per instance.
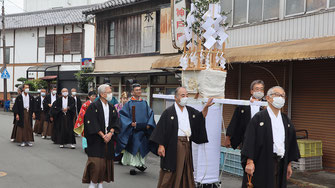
x,y
137,120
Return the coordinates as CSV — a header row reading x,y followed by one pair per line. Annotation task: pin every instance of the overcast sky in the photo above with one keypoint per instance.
x,y
13,6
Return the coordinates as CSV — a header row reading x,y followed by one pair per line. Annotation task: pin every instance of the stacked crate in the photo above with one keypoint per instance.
x,y
311,155
231,161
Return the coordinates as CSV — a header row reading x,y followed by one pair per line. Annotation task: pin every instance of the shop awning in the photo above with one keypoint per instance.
x,y
125,73
125,64
41,68
306,49
167,62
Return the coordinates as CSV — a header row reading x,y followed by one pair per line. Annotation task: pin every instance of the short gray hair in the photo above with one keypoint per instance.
x,y
270,91
256,82
102,88
176,91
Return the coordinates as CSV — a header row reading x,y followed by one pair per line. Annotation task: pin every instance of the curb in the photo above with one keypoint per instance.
x,y
306,184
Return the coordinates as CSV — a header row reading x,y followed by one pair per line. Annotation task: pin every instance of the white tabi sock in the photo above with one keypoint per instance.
x,y
100,185
92,185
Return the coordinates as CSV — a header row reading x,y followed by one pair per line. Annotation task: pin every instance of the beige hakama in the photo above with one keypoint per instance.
x,y
25,133
38,127
98,170
183,176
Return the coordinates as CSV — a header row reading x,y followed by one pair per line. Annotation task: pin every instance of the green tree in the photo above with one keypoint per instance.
x,y
84,80
22,80
36,84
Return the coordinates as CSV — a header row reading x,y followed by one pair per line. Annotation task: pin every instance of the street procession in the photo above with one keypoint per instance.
x,y
167,93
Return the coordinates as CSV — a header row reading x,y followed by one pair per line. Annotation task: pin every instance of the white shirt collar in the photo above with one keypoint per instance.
x,y
42,99
65,102
184,127
271,113
25,101
53,98
254,109
105,108
278,133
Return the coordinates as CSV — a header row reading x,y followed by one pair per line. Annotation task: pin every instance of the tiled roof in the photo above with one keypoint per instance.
x,y
49,17
110,5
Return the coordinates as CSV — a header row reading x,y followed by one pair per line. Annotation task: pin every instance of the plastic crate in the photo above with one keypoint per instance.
x,y
310,148
231,161
308,163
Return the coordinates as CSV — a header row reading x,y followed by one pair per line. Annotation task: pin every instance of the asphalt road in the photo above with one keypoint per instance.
x,y
47,165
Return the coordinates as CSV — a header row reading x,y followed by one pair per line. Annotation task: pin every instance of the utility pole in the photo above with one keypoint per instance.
x,y
4,50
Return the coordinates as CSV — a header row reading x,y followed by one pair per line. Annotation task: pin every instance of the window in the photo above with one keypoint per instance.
x,y
227,7
50,44
158,106
62,44
121,36
158,80
76,42
331,3
172,80
295,7
240,12
41,42
112,38
67,44
59,44
271,9
301,6
316,4
255,10
170,91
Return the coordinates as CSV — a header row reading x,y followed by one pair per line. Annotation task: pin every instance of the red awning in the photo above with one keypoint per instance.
x,y
49,77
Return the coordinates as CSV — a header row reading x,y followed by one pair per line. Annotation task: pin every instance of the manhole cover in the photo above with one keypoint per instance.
x,y
2,174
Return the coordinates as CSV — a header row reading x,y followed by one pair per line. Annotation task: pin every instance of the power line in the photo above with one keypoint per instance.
x,y
17,5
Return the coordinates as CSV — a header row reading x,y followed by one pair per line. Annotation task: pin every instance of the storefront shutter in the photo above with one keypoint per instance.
x,y
313,104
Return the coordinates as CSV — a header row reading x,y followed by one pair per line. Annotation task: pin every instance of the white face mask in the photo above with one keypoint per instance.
x,y
258,95
65,94
54,92
26,90
74,93
183,101
42,94
109,96
278,102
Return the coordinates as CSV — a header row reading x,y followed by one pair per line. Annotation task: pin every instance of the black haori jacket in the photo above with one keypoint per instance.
x,y
94,121
166,134
258,146
18,109
238,125
38,109
46,107
57,108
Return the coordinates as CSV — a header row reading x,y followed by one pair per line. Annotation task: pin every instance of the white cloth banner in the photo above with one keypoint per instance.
x,y
206,157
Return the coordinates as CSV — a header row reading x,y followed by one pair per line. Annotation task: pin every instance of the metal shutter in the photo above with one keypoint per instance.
x,y
313,104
